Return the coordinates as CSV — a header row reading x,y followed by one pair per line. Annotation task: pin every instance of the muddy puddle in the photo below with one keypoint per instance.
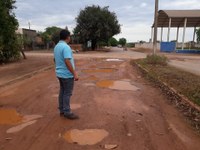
x,y
93,66
12,117
9,117
91,78
114,60
101,70
85,137
117,85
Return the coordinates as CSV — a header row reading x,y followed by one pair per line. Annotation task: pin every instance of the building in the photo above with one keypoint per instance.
x,y
27,37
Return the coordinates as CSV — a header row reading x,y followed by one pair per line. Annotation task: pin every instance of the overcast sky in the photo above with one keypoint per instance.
x,y
135,16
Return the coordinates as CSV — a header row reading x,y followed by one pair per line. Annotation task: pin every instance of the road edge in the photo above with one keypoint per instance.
x,y
26,76
190,110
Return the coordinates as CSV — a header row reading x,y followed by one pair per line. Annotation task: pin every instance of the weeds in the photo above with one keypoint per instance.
x,y
184,82
156,60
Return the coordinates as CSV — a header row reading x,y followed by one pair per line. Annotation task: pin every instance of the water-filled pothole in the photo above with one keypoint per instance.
x,y
99,70
85,137
9,117
114,60
117,85
91,78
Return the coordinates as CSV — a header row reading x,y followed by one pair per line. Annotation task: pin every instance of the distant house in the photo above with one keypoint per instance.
x,y
30,34
27,37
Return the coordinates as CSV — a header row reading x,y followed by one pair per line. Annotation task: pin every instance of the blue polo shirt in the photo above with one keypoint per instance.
x,y
63,51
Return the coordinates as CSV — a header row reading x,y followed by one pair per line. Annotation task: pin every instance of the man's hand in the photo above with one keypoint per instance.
x,y
76,78
69,66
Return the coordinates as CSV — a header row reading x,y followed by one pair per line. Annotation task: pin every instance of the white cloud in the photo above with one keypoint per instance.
x,y
143,5
135,16
181,4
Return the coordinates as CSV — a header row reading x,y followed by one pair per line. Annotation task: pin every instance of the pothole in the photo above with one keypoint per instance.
x,y
85,137
91,78
105,83
99,70
89,84
9,117
114,60
93,66
117,85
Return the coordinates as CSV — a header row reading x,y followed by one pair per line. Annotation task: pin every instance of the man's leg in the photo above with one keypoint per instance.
x,y
68,85
68,89
60,97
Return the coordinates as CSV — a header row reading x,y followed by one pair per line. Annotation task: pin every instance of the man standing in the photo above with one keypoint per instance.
x,y
66,74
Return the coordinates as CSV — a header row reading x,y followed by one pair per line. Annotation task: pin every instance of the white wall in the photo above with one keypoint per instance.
x,y
146,45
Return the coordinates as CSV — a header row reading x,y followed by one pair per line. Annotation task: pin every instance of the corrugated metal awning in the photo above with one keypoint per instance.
x,y
178,17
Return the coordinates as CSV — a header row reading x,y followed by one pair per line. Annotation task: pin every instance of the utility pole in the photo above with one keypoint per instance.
x,y
155,27
29,25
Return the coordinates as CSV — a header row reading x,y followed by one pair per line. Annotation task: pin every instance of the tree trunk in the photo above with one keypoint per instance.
x,y
94,44
23,54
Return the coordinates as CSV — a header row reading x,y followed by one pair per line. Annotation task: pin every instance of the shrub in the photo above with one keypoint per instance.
x,y
156,60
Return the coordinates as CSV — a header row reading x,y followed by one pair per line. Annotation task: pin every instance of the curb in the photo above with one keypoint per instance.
x,y
191,110
26,76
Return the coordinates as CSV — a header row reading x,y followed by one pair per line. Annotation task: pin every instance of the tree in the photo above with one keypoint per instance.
x,y
198,35
122,41
51,34
113,42
9,46
96,24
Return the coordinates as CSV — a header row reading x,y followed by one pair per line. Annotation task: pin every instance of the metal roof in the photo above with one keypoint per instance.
x,y
177,18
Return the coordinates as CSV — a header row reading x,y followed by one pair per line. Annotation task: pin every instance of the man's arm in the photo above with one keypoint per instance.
x,y
71,69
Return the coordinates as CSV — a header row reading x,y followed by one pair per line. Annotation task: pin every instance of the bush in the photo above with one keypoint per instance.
x,y
113,42
9,46
156,60
102,44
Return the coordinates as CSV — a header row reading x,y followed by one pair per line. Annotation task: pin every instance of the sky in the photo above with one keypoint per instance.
x,y
135,16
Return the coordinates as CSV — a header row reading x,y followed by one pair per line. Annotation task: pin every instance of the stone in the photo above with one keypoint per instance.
x,y
111,146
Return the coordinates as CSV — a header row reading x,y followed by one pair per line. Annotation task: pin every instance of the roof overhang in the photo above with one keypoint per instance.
x,y
178,17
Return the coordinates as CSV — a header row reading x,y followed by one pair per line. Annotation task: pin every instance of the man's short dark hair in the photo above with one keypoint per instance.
x,y
64,34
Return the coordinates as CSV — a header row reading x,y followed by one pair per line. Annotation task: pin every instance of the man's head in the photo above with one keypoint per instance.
x,y
65,35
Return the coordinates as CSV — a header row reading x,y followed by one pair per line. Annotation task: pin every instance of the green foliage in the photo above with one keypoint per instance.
x,y
122,41
156,60
112,41
198,35
9,46
51,34
96,24
102,43
130,45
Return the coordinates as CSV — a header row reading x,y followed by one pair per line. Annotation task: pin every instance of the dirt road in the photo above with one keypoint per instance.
x,y
114,102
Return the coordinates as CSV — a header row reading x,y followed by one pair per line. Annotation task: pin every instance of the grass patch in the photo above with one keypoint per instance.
x,y
185,83
156,60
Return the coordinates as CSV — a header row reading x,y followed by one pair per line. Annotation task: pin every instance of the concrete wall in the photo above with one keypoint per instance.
x,y
197,45
150,45
146,45
188,45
